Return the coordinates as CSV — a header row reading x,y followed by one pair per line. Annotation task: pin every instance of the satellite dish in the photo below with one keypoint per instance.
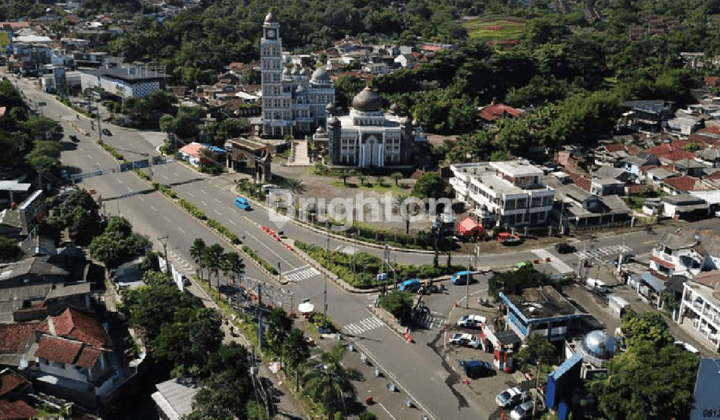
x,y
23,364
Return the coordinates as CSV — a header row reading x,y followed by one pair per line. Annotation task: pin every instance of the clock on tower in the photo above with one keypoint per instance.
x,y
271,33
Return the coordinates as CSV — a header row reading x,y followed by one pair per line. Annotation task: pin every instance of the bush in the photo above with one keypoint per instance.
x,y
112,151
266,265
190,207
142,174
165,190
223,230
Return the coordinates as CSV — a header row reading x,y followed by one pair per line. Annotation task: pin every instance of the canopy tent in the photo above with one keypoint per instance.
x,y
468,226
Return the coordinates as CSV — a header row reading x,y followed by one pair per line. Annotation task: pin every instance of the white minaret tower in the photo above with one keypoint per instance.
x,y
277,108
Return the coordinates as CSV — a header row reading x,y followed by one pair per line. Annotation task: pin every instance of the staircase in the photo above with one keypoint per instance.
x,y
299,155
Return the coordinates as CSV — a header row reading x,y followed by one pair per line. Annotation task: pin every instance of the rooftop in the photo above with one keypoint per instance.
x,y
80,326
542,302
174,397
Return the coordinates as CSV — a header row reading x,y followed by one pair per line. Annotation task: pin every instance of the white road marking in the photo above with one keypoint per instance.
x,y
129,189
119,181
141,198
203,191
89,156
175,173
218,200
218,213
153,208
386,410
181,230
167,218
190,194
232,222
163,175
204,203
269,249
363,325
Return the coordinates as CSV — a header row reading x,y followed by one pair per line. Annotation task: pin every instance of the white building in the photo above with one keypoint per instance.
x,y
505,193
292,100
685,252
701,306
126,82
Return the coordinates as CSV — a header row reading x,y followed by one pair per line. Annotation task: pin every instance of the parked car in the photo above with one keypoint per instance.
x,y
412,285
626,258
596,285
471,321
510,397
476,368
523,411
74,138
64,174
461,278
242,203
106,132
564,248
507,238
269,187
465,339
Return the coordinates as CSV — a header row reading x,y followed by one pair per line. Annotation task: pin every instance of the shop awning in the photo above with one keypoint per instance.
x,y
469,226
654,282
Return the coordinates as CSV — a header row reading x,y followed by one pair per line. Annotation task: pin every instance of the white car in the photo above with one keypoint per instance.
x,y
510,397
465,339
687,347
522,411
471,321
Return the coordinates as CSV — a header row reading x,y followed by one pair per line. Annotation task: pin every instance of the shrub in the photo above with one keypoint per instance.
x,y
190,207
112,151
266,265
223,230
142,174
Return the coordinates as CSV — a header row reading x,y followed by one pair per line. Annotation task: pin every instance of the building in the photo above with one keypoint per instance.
x,y
507,193
174,398
542,311
596,348
367,137
581,208
707,388
292,101
685,252
125,82
700,307
683,206
249,155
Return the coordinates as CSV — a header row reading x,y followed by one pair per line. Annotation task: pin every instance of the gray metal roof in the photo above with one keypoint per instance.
x,y
174,397
707,389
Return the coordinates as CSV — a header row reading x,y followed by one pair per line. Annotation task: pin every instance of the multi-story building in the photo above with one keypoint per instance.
x,y
125,82
701,305
505,193
685,252
292,101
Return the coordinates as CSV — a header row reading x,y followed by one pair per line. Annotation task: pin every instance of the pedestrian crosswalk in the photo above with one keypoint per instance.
x,y
600,253
364,325
427,320
301,273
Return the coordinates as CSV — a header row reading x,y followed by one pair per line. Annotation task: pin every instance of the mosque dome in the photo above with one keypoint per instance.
x,y
333,122
270,18
367,100
320,130
321,75
599,344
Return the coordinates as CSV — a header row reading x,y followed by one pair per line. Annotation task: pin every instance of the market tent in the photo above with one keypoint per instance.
x,y
468,226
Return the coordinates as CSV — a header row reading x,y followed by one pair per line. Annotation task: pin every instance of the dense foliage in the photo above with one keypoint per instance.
x,y
513,282
79,214
118,243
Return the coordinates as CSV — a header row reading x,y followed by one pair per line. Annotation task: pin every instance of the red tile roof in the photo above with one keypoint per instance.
x,y
58,349
678,154
710,130
88,357
193,149
711,80
80,326
10,380
681,183
634,189
15,337
18,410
495,111
614,147
662,262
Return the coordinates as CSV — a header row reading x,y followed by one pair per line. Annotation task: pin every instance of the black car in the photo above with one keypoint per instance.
x,y
564,248
476,368
106,132
74,138
626,258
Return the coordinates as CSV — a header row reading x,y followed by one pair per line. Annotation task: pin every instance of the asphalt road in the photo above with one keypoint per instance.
x,y
418,369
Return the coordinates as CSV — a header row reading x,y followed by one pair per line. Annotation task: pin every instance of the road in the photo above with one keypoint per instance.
x,y
418,369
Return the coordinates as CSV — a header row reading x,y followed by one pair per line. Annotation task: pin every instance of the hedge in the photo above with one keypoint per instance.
x,y
165,190
254,255
223,230
142,174
112,151
190,207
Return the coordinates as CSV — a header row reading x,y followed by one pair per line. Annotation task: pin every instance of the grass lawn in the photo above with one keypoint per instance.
x,y
494,28
371,185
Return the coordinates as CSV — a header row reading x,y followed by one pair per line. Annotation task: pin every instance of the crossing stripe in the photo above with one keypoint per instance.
x,y
363,325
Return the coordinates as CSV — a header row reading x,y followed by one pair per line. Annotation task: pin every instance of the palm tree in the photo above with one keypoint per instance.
x,y
234,264
400,205
297,350
213,256
278,327
196,252
362,178
396,176
380,180
329,381
344,175
295,186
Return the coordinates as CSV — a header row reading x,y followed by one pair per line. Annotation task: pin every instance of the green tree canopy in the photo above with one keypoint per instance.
x,y
399,304
430,185
79,213
646,326
9,249
117,244
513,282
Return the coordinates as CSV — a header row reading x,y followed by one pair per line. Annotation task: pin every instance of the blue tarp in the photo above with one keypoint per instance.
x,y
654,282
214,149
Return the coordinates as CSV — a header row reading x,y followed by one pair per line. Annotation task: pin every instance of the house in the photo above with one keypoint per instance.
x,y
607,186
193,154
406,61
684,206
634,164
700,307
376,68
493,112
542,311
34,270
656,175
679,184
582,208
509,193
646,115
606,171
685,252
33,302
174,398
709,156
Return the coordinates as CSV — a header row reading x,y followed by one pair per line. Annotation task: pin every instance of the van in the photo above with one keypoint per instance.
x,y
596,285
412,286
461,278
242,203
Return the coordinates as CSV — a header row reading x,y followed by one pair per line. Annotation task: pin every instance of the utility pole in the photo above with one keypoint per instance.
x,y
327,258
164,240
260,317
467,285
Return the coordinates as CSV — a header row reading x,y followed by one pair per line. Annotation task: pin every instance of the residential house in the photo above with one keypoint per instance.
x,y
494,112
700,307
646,115
679,184
582,208
634,164
709,156
684,123
656,175
683,206
34,270
607,186
606,171
376,68
509,193
685,252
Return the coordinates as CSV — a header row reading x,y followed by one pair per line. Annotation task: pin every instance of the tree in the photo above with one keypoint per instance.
x,y
537,350
295,186
362,178
278,327
197,250
79,213
118,243
405,209
647,326
223,396
344,175
212,256
296,350
328,381
513,282
647,382
231,263
396,176
398,303
430,185
9,249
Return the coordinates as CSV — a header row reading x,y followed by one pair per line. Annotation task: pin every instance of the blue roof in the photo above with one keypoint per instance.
x,y
214,148
707,389
653,281
566,365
